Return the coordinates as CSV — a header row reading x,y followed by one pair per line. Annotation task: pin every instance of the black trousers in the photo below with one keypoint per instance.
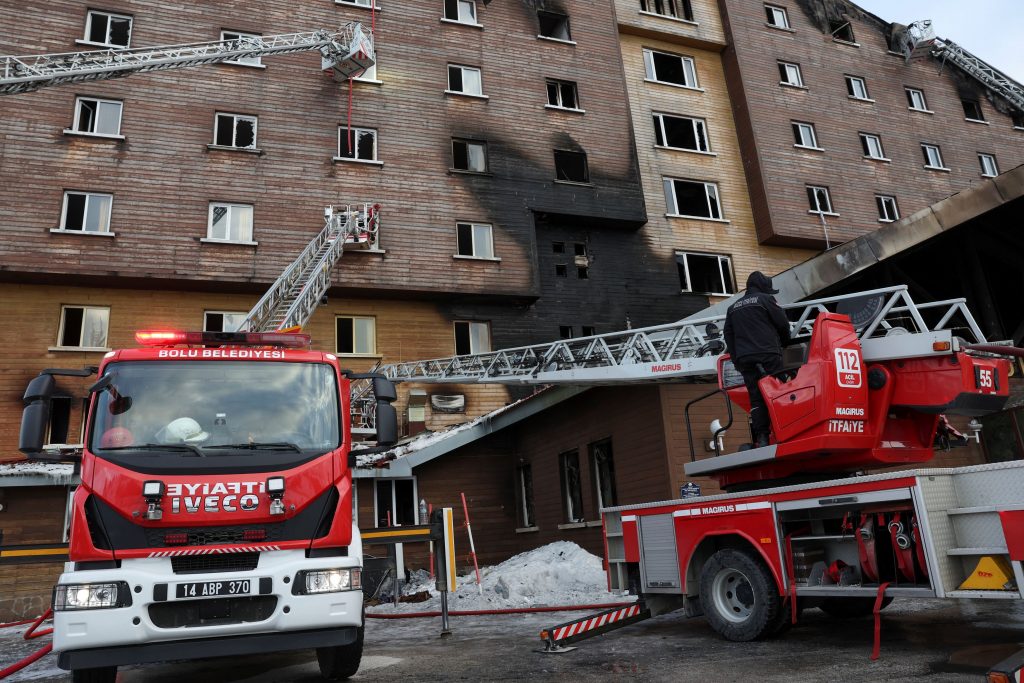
x,y
753,368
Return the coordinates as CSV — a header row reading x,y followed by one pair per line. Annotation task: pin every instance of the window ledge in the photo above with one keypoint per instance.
x,y
375,250
593,523
845,42
1018,127
688,22
223,148
887,220
463,171
793,85
556,40
938,168
860,99
822,213
574,182
347,160
211,240
573,525
371,81
79,349
808,147
339,354
684,149
780,28
884,160
110,46
984,123
697,218
352,4
247,66
100,136
673,85
446,20
62,231
527,529
458,93
568,110
921,111
986,175
467,257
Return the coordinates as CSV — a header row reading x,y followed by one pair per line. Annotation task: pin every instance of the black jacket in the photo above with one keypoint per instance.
x,y
755,324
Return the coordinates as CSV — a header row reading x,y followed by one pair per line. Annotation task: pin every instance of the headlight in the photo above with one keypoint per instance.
x,y
313,581
75,596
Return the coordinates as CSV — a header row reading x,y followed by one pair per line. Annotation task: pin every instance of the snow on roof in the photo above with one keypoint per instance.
x,y
37,474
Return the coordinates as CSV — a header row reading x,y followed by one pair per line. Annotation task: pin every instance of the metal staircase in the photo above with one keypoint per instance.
x,y
293,298
347,52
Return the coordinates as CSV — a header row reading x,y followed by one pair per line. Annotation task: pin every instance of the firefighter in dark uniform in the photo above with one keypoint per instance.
x,y
755,330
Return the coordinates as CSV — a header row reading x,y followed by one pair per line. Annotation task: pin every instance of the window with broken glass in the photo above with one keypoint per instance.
x,y
462,11
472,337
571,166
524,498
681,132
97,117
83,327
234,130
468,155
475,240
554,25
86,212
677,9
572,489
562,94
819,200
232,36
395,502
224,321
603,467
465,80
842,30
705,273
887,209
692,199
664,67
359,144
108,29
230,222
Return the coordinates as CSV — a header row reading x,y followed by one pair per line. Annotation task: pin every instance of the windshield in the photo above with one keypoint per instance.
x,y
214,408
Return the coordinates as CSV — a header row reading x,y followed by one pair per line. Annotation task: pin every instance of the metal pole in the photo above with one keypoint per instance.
x,y
472,548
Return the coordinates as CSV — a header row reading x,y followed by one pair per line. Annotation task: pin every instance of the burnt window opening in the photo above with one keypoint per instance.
x,y
572,490
603,467
561,270
565,331
1018,120
554,25
558,247
705,273
972,110
842,30
680,132
571,166
562,94
580,249
588,331
472,337
677,9
582,273
60,420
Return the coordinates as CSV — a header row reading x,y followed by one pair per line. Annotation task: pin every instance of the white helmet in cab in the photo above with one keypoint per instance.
x,y
182,430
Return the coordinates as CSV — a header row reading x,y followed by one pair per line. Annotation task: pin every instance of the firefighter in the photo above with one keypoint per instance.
x,y
755,330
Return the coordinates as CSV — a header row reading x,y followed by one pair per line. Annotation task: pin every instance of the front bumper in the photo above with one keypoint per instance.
x,y
93,635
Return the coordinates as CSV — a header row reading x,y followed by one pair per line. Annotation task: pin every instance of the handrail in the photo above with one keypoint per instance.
x,y
720,430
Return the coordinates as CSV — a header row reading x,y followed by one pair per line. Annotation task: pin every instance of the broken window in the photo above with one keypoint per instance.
x,y
777,16
572,491
97,117
582,273
465,80
989,169
223,321
805,135
237,38
562,94
475,239
358,145
680,132
469,156
603,467
60,420
887,210
107,29
395,502
588,331
665,67
462,11
558,247
83,327
230,222
705,273
692,198
677,9
789,74
857,87
571,166
524,501
1018,120
561,270
915,99
86,212
472,337
972,110
842,29
580,249
932,156
872,146
554,25
819,200
234,130
565,331
355,335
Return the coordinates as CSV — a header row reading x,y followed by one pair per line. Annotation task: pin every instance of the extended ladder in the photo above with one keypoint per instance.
x,y
293,298
347,52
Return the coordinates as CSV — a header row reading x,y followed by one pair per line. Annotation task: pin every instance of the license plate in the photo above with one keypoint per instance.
x,y
210,589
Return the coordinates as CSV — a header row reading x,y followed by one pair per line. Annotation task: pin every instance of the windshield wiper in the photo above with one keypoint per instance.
x,y
256,445
160,447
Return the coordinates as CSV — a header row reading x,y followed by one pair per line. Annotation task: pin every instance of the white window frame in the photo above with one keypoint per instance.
x,y
254,62
241,327
791,69
913,94
871,144
234,129
710,191
689,66
360,3
828,197
394,501
852,83
558,87
100,104
473,229
463,70
110,15
356,132
776,12
468,143
697,123
231,207
984,157
459,18
473,324
678,10
355,352
89,197
928,150
724,261
981,113
81,335
882,203
806,130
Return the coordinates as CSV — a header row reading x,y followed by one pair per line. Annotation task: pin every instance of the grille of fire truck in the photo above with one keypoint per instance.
x,y
219,535
201,564
211,612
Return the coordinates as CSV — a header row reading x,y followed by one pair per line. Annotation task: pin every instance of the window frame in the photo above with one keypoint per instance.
x,y
81,333
234,131
467,141
925,147
696,122
356,132
726,258
772,9
470,325
394,502
563,21
231,206
355,353
982,157
570,515
910,100
586,166
366,4
527,513
88,28
473,241
559,83
866,140
848,25
675,5
596,472
254,62
85,213
828,197
883,212
458,12
977,106
100,101
784,72
688,65
241,328
799,126
673,208
463,68
851,90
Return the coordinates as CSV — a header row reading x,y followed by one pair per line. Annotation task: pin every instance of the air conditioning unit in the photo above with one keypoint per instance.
x,y
448,403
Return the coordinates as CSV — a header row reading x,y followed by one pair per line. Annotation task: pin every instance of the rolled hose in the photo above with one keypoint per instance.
x,y
30,634
487,612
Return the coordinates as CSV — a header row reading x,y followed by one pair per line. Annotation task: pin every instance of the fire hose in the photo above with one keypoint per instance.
x,y
30,634
508,610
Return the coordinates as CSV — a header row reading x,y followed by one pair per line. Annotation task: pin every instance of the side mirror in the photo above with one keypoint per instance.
x,y
36,417
384,389
387,424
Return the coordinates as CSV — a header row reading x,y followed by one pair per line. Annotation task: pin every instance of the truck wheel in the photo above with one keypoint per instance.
x,y
850,608
107,674
739,596
341,662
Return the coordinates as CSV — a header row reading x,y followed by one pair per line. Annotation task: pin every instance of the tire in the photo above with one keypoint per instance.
x,y
107,674
341,662
739,596
851,608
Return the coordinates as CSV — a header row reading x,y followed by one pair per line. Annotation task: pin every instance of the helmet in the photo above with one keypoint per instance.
x,y
182,430
116,437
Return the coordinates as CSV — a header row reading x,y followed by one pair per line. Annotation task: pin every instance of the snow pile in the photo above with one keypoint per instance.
x,y
561,573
